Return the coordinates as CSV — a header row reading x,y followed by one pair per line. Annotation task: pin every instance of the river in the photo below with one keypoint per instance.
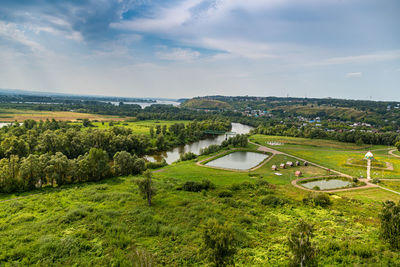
x,y
147,104
174,154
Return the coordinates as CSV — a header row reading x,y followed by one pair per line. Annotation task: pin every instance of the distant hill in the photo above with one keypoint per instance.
x,y
202,103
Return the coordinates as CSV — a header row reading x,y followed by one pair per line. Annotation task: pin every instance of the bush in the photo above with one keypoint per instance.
x,y
225,193
156,164
322,200
192,186
376,181
273,201
299,241
210,149
220,241
390,223
262,182
187,156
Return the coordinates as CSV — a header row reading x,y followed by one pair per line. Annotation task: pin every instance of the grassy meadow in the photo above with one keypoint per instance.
x,y
11,115
333,154
138,127
106,223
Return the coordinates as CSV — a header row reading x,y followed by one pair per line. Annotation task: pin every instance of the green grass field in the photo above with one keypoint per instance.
x,y
138,127
11,115
333,154
105,223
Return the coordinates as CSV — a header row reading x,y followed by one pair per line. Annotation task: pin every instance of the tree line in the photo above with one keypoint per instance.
x,y
53,153
356,136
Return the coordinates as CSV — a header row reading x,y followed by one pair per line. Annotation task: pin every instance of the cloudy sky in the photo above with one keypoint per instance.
x,y
185,48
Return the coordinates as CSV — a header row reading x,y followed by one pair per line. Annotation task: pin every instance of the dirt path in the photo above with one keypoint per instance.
x,y
391,153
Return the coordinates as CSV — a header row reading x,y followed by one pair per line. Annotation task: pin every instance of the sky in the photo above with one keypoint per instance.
x,y
187,48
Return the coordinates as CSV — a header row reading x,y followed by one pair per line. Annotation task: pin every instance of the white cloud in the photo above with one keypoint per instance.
x,y
353,74
359,59
11,32
242,48
164,19
178,54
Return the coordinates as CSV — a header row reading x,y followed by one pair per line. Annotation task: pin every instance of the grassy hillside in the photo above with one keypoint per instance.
x,y
314,111
138,127
11,115
106,223
200,103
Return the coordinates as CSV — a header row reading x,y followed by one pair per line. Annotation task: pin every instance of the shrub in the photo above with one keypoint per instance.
x,y
187,156
156,164
192,186
262,182
210,149
248,185
225,193
376,181
263,192
300,245
390,223
273,201
220,241
235,187
322,200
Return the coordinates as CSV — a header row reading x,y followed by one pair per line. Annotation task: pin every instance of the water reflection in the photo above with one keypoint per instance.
x,y
238,160
174,154
327,184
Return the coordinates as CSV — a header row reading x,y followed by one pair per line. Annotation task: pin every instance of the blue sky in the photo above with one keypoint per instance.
x,y
145,48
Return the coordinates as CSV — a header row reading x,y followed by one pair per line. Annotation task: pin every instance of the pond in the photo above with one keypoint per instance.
x,y
327,184
174,154
240,160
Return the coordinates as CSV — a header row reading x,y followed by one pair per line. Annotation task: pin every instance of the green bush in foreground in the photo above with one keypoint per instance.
x,y
390,223
192,186
220,241
300,245
319,199
273,201
146,186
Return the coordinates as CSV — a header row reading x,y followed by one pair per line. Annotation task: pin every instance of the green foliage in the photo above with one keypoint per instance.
x,y
126,164
225,193
300,245
146,188
193,186
220,242
397,145
318,199
273,201
156,164
187,156
210,149
390,223
239,140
